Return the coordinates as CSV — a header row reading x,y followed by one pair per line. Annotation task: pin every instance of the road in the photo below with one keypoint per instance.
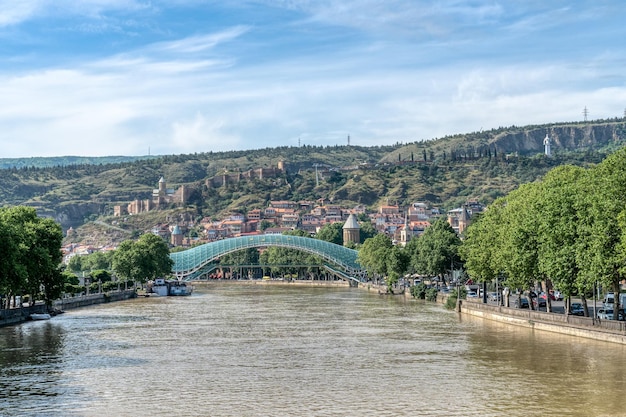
x,y
558,307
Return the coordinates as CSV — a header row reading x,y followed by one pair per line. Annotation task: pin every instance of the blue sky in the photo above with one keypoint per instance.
x,y
128,77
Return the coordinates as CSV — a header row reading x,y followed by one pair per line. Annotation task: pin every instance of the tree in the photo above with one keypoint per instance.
x,y
332,233
265,224
31,254
480,246
100,275
367,230
97,260
146,259
75,263
124,261
397,263
436,250
601,254
559,231
154,255
374,252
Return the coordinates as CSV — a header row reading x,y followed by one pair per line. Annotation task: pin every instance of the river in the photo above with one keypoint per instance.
x,y
255,350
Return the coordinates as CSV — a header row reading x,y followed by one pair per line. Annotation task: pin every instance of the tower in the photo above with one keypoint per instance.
x,y
351,230
177,236
405,234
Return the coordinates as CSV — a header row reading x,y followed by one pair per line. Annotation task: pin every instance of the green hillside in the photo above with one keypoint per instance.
x,y
445,172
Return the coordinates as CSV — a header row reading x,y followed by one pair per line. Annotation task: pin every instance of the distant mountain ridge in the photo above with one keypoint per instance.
x,y
68,160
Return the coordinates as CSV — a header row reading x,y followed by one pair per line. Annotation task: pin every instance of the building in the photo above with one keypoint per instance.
x,y
351,231
161,197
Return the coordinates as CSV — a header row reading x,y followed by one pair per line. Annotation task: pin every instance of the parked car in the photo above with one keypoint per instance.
x,y
472,294
576,309
494,296
557,296
605,314
521,303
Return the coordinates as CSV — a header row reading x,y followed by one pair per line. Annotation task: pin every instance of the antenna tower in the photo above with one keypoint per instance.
x,y
585,113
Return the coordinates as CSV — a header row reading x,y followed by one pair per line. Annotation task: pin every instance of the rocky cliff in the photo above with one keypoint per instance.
x,y
569,137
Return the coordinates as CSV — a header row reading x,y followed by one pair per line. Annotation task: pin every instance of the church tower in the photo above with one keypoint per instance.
x,y
351,230
405,233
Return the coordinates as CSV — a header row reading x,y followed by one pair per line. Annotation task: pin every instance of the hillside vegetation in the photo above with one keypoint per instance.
x,y
445,172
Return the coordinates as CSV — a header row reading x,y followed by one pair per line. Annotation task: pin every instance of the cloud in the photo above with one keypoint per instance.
x,y
199,133
380,72
194,44
14,12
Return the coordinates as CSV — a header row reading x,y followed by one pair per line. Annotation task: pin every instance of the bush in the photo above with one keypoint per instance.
x,y
431,294
73,289
451,302
419,291
110,286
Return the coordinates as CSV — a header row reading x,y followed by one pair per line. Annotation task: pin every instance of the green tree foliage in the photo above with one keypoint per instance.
x,y
332,232
569,229
249,256
75,263
559,208
30,254
100,275
397,263
374,252
143,260
436,250
367,230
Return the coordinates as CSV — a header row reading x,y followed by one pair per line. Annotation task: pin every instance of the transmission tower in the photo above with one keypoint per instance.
x,y
585,113
348,140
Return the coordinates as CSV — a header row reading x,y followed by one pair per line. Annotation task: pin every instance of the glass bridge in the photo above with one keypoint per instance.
x,y
194,262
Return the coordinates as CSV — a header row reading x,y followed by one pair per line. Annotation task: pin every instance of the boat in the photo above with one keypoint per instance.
x,y
174,287
40,316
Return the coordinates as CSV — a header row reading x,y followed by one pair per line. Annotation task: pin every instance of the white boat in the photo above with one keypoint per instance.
x,y
170,287
40,316
179,288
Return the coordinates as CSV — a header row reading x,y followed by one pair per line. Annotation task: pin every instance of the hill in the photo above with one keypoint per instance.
x,y
445,172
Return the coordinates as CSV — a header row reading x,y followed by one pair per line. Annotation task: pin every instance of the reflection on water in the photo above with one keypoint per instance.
x,y
236,350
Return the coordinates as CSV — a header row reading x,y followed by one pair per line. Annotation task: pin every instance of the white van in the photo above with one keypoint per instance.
x,y
609,300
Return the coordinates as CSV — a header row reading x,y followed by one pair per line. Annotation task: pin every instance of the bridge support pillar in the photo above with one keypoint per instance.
x,y
353,283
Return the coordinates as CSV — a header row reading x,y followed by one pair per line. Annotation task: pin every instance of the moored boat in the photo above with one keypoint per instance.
x,y
162,286
40,316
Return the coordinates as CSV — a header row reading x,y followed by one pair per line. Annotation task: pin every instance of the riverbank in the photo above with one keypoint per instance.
x,y
19,315
587,327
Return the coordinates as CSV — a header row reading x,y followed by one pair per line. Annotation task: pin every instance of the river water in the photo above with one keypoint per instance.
x,y
255,350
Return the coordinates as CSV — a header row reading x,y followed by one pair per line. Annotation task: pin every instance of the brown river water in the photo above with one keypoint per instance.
x,y
254,350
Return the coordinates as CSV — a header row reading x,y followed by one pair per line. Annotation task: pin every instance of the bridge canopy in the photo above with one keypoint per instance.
x,y
187,263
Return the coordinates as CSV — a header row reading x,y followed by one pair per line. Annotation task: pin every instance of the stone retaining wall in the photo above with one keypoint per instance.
x,y
19,315
605,330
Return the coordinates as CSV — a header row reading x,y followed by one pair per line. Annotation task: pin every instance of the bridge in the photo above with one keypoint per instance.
x,y
195,262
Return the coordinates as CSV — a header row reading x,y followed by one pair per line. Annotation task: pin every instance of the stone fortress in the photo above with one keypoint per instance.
x,y
161,198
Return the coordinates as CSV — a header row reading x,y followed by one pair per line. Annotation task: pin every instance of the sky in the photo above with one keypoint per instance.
x,y
162,77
